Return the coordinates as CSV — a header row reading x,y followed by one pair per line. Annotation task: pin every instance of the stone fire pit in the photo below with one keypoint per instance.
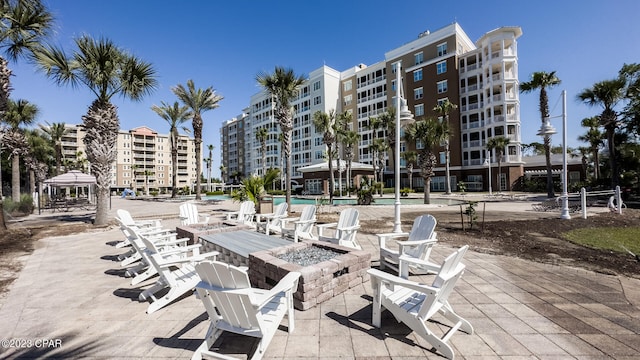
x,y
194,231
319,282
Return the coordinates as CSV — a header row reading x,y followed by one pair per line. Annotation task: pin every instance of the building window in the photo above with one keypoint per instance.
x,y
419,58
346,86
441,67
442,49
442,157
347,100
417,75
441,101
442,87
317,100
316,86
318,155
419,110
418,93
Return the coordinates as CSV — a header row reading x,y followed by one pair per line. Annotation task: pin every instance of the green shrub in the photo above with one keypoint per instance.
x,y
25,206
214,193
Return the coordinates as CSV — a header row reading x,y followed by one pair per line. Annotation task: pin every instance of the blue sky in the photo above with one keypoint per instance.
x,y
226,44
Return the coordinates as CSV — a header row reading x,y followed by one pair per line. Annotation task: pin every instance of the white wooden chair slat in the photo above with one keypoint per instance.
x,y
232,306
179,281
415,304
345,229
302,226
189,215
418,245
273,221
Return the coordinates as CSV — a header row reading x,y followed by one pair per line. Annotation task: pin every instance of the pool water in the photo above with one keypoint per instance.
x,y
350,201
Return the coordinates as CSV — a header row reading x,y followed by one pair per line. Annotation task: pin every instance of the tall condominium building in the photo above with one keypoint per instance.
x,y
480,78
232,139
143,158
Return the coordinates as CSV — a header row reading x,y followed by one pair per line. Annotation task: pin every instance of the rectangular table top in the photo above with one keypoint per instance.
x,y
244,242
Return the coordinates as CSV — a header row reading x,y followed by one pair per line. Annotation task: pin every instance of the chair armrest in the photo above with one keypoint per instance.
x,y
321,227
180,249
384,277
423,264
382,238
285,284
206,256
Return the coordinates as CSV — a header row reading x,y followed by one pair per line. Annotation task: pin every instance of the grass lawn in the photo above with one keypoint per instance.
x,y
607,238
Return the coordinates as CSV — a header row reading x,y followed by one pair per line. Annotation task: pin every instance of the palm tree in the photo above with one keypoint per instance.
x,y
430,133
381,146
147,173
283,86
39,155
209,162
377,148
543,80
261,135
24,25
498,143
223,169
594,138
325,123
198,101
106,70
410,157
56,131
375,123
444,109
607,94
19,113
174,115
134,172
350,140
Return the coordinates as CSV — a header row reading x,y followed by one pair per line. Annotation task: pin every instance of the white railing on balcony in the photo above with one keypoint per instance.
x,y
496,77
497,97
498,118
511,116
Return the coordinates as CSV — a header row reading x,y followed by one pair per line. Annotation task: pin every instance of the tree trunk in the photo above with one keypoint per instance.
x,y
102,206
447,174
612,157
3,224
15,178
547,155
427,190
331,177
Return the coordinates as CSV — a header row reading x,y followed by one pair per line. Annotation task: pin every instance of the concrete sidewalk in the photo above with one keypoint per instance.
x,y
71,293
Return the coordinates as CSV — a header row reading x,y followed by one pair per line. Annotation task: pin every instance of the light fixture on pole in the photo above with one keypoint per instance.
x,y
547,130
487,162
402,115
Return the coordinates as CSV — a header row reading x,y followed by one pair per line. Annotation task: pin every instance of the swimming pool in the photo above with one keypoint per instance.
x,y
350,201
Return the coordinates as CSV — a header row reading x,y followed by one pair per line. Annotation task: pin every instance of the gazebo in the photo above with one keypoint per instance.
x,y
316,176
73,178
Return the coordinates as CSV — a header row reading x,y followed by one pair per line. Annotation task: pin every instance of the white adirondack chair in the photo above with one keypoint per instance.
x,y
167,244
245,214
418,245
179,275
124,218
189,215
302,226
415,303
345,229
272,221
132,256
234,306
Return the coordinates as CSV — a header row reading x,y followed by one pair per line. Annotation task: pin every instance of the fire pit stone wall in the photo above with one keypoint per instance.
x,y
319,282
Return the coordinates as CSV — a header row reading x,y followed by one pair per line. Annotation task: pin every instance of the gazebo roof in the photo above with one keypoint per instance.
x,y
71,178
